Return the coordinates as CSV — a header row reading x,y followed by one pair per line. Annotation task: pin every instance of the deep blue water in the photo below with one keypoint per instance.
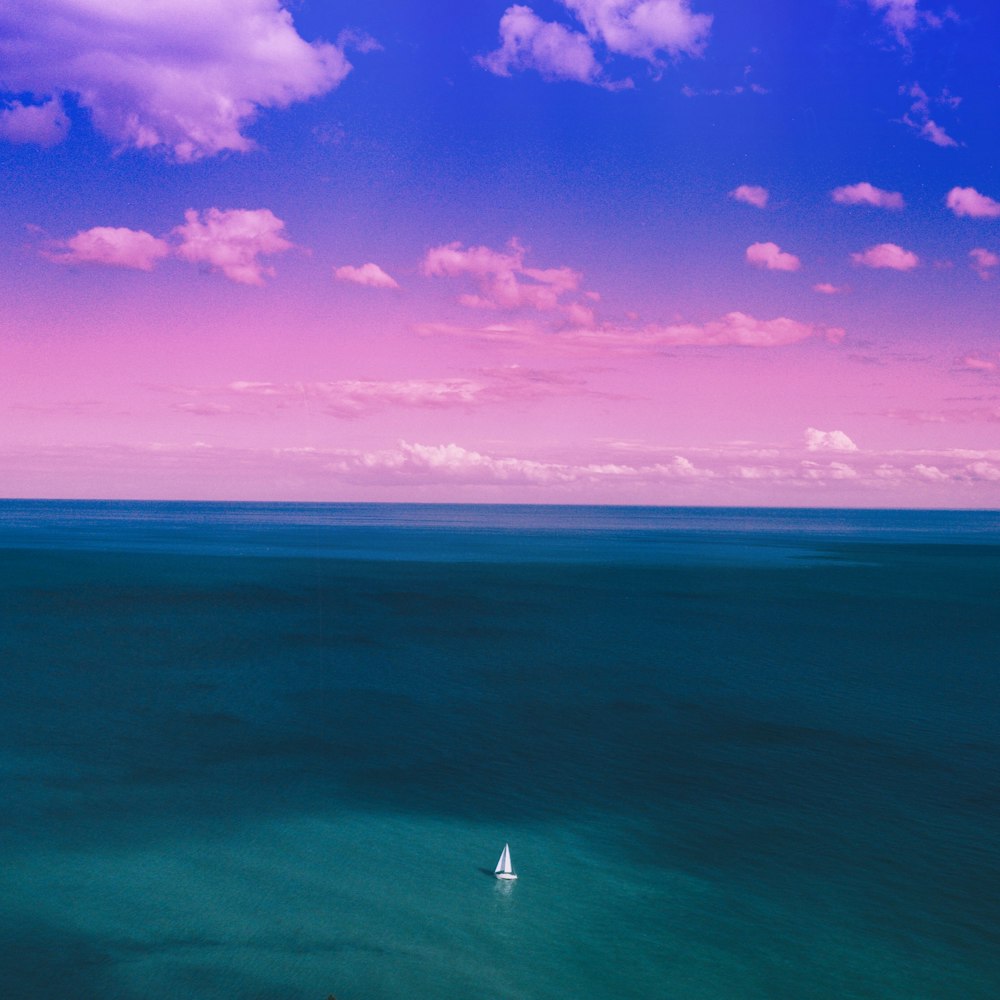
x,y
262,751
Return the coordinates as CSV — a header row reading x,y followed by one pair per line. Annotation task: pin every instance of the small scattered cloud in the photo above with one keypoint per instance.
x,y
919,119
825,288
867,194
551,49
505,282
972,362
954,415
932,132
817,440
233,241
44,124
984,262
368,274
983,470
735,329
640,29
204,409
358,397
490,333
772,257
903,17
114,246
736,91
351,398
970,203
900,16
329,134
183,79
887,255
751,194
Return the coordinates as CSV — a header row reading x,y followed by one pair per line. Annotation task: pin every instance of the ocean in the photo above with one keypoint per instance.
x,y
273,752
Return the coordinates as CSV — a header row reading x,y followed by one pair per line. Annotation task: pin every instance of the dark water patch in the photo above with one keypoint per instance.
x,y
42,962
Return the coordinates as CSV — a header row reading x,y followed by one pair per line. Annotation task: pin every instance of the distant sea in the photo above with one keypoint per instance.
x,y
273,751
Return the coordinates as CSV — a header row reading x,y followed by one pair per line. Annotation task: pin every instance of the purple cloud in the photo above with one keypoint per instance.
x,y
183,78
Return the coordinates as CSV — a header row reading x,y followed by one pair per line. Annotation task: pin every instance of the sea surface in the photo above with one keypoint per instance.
x,y
273,751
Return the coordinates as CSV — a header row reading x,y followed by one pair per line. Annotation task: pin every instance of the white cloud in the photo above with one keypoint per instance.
x,y
931,473
751,194
825,288
184,78
969,202
736,472
368,274
455,464
887,255
233,241
867,194
772,257
833,470
43,124
451,461
817,440
983,470
641,29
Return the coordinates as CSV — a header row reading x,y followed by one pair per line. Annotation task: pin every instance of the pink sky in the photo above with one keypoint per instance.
x,y
327,291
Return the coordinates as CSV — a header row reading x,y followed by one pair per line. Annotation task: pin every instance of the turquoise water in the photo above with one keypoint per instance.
x,y
273,751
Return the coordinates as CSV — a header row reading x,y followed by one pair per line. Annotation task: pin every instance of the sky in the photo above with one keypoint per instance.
x,y
564,251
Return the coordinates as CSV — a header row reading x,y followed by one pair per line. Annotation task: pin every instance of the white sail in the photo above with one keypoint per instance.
x,y
504,868
503,865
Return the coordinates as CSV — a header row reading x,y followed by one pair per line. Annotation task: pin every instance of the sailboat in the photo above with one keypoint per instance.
x,y
504,869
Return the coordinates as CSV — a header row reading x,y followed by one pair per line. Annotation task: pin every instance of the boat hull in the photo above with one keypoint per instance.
x,y
509,876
